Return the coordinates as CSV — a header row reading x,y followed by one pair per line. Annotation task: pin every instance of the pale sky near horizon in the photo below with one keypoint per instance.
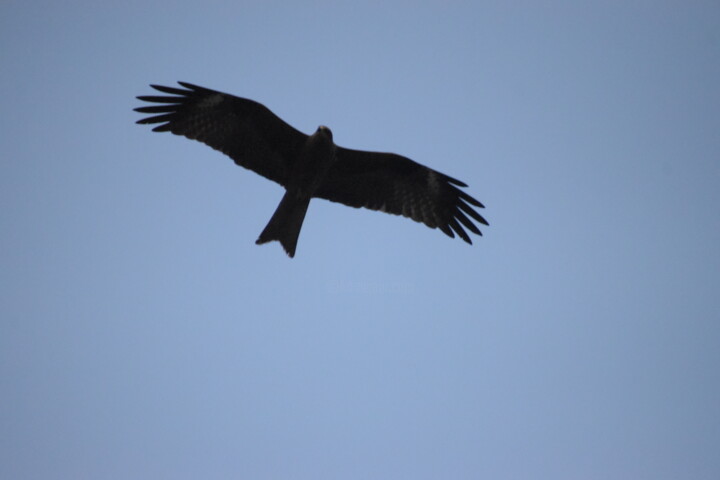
x,y
144,335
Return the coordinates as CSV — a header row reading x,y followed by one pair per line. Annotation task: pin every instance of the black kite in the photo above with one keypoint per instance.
x,y
311,166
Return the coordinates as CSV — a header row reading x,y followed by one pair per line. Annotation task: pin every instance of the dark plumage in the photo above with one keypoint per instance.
x,y
311,166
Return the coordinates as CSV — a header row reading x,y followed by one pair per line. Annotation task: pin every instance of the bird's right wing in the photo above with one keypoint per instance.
x,y
245,130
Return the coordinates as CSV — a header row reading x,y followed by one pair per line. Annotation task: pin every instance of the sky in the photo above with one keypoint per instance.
x,y
144,335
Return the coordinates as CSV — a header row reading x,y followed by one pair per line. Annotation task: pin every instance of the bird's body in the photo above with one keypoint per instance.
x,y
311,166
308,173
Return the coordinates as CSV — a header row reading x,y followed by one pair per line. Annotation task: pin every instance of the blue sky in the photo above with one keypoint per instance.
x,y
144,335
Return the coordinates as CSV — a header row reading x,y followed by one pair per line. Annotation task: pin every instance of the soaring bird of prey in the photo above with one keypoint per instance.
x,y
311,166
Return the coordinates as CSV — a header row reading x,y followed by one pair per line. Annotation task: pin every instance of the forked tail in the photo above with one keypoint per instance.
x,y
286,222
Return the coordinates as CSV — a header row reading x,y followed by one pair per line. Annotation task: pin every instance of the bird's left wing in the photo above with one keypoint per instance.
x,y
394,184
245,130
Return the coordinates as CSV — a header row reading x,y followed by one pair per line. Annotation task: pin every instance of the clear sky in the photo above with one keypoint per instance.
x,y
144,335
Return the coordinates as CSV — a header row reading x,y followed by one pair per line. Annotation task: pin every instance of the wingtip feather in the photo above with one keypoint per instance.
x,y
447,231
466,221
170,90
190,86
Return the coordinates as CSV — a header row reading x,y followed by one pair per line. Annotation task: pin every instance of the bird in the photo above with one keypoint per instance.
x,y
310,166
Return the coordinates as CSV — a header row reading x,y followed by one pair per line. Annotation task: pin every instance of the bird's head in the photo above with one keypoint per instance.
x,y
325,131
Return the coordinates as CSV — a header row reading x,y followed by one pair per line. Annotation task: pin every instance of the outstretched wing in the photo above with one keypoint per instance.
x,y
245,130
394,184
